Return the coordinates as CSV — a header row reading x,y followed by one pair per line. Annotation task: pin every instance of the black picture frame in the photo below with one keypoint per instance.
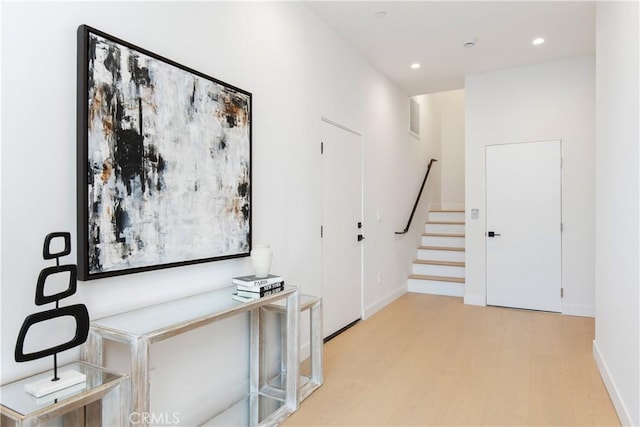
x,y
163,161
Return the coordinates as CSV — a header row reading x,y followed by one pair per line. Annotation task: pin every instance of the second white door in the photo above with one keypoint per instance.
x,y
524,261
341,213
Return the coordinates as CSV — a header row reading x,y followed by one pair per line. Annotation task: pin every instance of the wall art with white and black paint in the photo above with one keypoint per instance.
x,y
164,161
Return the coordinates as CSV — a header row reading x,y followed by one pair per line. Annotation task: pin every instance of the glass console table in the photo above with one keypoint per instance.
x,y
142,327
99,401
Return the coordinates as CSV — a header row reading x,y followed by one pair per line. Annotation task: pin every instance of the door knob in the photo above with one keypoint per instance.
x,y
493,234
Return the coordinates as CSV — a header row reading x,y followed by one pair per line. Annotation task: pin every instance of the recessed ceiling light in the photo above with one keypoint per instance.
x,y
380,14
415,65
538,41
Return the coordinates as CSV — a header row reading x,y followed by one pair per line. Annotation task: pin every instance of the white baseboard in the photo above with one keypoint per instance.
x,y
579,310
475,300
568,309
614,394
305,351
383,302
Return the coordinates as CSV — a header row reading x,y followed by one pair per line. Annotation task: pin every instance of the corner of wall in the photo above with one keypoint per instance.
x,y
612,389
384,301
479,300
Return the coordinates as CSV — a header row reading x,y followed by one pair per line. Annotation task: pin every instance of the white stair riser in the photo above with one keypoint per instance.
x,y
446,216
436,255
436,287
448,242
438,270
444,228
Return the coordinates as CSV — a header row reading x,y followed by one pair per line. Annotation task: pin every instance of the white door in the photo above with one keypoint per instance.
x,y
524,225
341,213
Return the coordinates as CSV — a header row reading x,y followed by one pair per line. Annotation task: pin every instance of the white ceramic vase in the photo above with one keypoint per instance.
x,y
261,256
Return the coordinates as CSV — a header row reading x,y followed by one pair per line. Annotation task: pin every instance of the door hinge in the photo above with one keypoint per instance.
x,y
321,147
321,231
561,292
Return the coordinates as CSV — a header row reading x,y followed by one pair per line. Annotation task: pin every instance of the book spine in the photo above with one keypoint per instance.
x,y
262,292
256,283
261,288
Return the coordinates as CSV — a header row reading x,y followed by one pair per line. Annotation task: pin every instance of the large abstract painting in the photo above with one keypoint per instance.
x,y
164,161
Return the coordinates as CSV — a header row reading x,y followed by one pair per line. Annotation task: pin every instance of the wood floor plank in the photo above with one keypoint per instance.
x,y
511,374
431,360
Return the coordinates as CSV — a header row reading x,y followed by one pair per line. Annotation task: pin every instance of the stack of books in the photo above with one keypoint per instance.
x,y
251,288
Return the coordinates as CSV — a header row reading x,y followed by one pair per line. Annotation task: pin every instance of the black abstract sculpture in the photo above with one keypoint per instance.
x,y
77,311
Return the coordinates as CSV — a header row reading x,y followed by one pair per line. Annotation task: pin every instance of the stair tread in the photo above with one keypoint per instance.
x,y
437,278
447,210
446,222
441,248
437,262
442,235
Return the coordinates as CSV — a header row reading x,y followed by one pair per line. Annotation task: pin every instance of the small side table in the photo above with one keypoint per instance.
x,y
103,396
308,384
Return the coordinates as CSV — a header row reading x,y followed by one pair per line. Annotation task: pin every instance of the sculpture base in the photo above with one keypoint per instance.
x,y
60,394
46,386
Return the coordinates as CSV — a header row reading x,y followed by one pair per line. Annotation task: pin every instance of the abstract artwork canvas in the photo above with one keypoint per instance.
x,y
164,161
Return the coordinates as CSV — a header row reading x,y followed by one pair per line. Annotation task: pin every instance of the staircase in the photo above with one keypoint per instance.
x,y
439,267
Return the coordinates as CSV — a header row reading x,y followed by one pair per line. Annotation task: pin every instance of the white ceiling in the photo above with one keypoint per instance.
x,y
432,32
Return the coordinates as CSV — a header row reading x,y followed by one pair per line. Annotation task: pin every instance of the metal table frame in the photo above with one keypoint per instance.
x,y
98,403
222,306
314,304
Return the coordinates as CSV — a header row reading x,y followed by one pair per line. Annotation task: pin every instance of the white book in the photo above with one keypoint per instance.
x,y
244,299
256,282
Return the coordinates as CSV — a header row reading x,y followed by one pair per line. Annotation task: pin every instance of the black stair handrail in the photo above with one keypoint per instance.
x,y
424,181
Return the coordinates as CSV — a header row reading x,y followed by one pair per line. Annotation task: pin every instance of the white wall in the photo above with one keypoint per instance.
x,y
546,101
429,139
617,342
452,148
298,71
442,133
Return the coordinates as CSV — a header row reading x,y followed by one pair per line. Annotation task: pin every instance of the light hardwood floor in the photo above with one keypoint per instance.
x,y
431,360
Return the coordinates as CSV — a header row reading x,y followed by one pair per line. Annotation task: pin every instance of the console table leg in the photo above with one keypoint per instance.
x,y
317,374
255,362
112,406
77,418
91,350
292,397
92,415
140,401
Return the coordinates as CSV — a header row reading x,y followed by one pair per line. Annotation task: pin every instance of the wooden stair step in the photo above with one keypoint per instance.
x,y
437,278
446,222
447,210
436,262
441,248
442,235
